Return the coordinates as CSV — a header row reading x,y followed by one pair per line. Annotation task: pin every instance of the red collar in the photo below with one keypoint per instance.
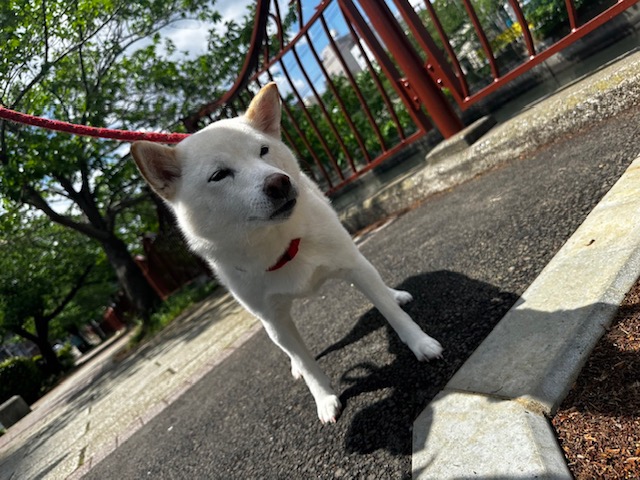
x,y
287,256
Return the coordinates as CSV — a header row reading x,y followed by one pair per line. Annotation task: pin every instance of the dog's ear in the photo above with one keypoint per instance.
x,y
158,165
264,111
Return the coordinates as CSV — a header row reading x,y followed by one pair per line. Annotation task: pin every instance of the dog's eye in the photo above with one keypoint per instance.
x,y
221,174
264,150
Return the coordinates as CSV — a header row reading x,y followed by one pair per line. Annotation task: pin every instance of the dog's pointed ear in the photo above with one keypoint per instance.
x,y
264,111
158,165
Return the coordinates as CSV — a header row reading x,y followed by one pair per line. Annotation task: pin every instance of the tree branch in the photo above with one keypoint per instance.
x,y
85,82
33,198
24,333
113,211
46,31
72,293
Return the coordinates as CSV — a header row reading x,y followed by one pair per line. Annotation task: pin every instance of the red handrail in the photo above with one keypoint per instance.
x,y
249,67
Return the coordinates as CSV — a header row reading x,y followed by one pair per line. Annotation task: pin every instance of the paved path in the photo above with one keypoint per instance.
x,y
466,255
93,411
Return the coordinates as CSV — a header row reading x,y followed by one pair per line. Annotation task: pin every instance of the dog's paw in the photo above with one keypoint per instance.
x,y
427,348
401,297
329,409
295,372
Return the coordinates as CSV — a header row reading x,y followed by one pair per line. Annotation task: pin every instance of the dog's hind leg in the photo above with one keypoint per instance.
x,y
283,332
367,279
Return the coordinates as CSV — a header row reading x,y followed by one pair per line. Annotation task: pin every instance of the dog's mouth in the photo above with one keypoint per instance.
x,y
284,211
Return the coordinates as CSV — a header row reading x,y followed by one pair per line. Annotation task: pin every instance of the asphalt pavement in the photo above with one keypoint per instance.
x,y
466,254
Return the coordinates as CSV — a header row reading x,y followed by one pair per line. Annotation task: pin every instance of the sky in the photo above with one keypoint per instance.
x,y
191,36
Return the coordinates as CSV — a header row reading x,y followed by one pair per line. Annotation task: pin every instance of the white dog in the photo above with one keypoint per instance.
x,y
268,231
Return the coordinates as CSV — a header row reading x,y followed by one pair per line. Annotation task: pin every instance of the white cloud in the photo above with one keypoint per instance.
x,y
191,36
232,9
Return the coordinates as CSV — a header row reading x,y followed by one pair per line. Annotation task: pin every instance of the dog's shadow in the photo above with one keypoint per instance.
x,y
453,308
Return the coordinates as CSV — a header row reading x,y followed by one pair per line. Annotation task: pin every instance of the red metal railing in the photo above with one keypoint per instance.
x,y
530,43
345,109
361,80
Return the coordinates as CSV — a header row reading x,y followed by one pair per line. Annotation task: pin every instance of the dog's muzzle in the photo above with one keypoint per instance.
x,y
282,194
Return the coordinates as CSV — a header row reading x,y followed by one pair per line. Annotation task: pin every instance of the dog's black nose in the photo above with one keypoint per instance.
x,y
277,186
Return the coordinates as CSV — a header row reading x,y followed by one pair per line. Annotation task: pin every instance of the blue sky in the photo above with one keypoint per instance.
x,y
191,36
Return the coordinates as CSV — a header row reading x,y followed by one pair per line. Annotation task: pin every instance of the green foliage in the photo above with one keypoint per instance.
x,y
358,117
37,277
65,355
548,16
20,376
455,20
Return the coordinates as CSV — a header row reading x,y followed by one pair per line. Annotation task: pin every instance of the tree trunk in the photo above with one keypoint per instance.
x,y
50,358
136,286
52,364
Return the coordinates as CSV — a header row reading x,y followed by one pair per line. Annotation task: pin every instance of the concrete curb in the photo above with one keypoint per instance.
x,y
461,141
501,398
13,410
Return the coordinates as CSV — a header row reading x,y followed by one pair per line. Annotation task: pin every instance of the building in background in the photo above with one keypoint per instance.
x,y
351,54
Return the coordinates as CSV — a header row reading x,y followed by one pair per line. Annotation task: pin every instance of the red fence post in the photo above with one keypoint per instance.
x,y
441,111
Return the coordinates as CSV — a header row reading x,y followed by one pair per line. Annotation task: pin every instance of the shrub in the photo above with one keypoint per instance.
x,y
20,376
65,355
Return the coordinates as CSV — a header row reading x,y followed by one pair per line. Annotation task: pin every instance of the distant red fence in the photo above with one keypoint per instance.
x,y
495,49
362,80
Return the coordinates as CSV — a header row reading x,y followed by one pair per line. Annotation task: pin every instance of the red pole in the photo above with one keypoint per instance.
x,y
484,41
571,11
526,33
442,113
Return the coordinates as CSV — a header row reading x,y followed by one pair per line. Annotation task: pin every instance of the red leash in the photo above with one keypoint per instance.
x,y
57,125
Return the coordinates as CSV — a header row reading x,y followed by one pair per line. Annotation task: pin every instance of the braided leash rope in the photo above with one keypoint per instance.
x,y
87,131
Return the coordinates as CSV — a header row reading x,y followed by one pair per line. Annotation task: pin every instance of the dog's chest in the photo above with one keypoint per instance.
x,y
294,280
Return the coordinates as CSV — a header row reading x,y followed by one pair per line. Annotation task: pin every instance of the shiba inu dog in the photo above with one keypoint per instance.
x,y
268,231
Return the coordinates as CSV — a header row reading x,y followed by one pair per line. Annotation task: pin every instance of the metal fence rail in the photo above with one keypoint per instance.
x,y
341,114
360,80
504,44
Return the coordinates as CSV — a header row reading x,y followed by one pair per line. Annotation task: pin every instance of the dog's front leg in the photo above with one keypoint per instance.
x,y
283,332
367,279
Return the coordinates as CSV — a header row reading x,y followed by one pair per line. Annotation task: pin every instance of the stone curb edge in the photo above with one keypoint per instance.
x,y
492,418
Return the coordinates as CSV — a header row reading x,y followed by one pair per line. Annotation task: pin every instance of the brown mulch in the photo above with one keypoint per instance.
x,y
598,424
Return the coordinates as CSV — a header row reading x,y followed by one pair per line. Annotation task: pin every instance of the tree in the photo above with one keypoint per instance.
x,y
43,268
93,62
549,17
388,130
